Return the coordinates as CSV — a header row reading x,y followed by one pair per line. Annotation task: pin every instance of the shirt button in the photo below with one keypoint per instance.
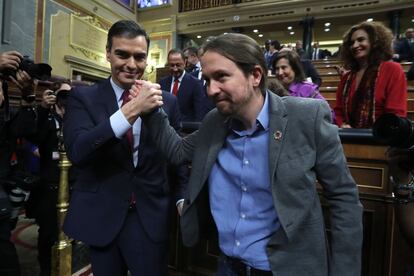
x,y
244,188
243,216
246,162
237,243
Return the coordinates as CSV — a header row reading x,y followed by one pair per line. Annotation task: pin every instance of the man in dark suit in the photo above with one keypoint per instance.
x,y
192,63
405,48
255,162
120,201
188,89
317,53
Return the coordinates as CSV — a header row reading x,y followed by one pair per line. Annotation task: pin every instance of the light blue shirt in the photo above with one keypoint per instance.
x,y
240,194
120,124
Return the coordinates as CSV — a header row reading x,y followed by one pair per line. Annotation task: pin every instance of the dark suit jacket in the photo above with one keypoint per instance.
x,y
190,97
405,52
106,175
301,156
208,103
321,53
310,71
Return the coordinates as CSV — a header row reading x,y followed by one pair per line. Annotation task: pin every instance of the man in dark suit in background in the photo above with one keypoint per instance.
x,y
120,201
192,63
188,89
317,53
405,48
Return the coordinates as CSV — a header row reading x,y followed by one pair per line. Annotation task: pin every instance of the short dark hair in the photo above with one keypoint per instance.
x,y
176,51
294,62
380,38
126,28
242,50
275,44
191,50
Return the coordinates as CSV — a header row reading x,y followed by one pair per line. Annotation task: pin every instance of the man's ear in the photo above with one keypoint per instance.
x,y
108,52
257,75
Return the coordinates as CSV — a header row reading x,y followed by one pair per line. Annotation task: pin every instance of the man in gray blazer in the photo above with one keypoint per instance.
x,y
255,162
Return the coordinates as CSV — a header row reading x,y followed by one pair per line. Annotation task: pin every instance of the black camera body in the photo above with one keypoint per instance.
x,y
40,71
394,131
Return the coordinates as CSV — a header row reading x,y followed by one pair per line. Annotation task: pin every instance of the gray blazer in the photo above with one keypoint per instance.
x,y
304,148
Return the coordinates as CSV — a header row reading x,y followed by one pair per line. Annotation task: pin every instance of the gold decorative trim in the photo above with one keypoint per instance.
x,y
96,28
88,54
382,170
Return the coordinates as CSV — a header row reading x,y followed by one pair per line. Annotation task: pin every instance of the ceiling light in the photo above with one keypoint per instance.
x,y
289,27
327,24
412,20
255,30
199,36
327,29
292,33
260,35
370,19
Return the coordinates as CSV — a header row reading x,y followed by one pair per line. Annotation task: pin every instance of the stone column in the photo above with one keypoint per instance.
x,y
307,23
395,17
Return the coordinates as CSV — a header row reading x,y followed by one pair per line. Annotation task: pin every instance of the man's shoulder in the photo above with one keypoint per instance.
x,y
298,106
88,89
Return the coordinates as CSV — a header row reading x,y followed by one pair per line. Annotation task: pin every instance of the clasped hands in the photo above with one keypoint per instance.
x,y
144,97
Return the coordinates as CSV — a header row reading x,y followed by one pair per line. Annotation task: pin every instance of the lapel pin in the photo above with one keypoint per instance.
x,y
277,135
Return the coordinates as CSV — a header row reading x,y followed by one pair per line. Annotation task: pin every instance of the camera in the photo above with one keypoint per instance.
x,y
394,131
40,71
49,93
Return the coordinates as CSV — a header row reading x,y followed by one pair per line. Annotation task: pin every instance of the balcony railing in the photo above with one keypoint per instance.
x,y
191,5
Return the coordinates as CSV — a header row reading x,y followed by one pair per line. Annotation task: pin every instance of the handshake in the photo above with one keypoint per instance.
x,y
144,97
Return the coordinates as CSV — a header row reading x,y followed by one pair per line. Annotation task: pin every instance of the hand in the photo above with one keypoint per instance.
x,y
48,99
180,208
23,81
345,125
10,60
145,97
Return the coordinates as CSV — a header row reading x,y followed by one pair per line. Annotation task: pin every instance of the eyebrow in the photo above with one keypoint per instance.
x,y
136,55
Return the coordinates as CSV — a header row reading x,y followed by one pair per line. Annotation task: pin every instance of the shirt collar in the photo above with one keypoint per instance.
x,y
118,90
180,78
262,120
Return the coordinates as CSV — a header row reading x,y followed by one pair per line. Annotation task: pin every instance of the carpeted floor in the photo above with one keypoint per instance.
x,y
25,238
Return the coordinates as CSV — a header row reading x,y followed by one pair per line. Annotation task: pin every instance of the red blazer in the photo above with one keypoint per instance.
x,y
390,92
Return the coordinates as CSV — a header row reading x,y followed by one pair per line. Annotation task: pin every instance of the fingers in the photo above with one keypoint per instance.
x,y
10,60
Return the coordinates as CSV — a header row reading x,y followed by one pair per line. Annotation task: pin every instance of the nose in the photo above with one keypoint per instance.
x,y
130,63
212,88
355,44
279,72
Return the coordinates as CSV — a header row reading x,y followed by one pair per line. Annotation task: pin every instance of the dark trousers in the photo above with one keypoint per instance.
x,y
131,250
46,218
9,262
231,267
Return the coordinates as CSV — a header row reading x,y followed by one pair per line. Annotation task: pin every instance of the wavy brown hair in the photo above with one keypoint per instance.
x,y
380,38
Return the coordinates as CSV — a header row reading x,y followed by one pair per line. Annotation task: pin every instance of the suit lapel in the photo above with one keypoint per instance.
x,y
106,98
216,140
277,127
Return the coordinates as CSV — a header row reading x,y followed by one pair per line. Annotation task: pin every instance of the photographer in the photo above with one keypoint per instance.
x,y
44,198
13,123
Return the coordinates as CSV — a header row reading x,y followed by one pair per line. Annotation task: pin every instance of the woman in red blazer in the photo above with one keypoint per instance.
x,y
374,85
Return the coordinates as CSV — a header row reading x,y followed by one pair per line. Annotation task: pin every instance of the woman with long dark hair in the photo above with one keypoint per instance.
x,y
374,84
